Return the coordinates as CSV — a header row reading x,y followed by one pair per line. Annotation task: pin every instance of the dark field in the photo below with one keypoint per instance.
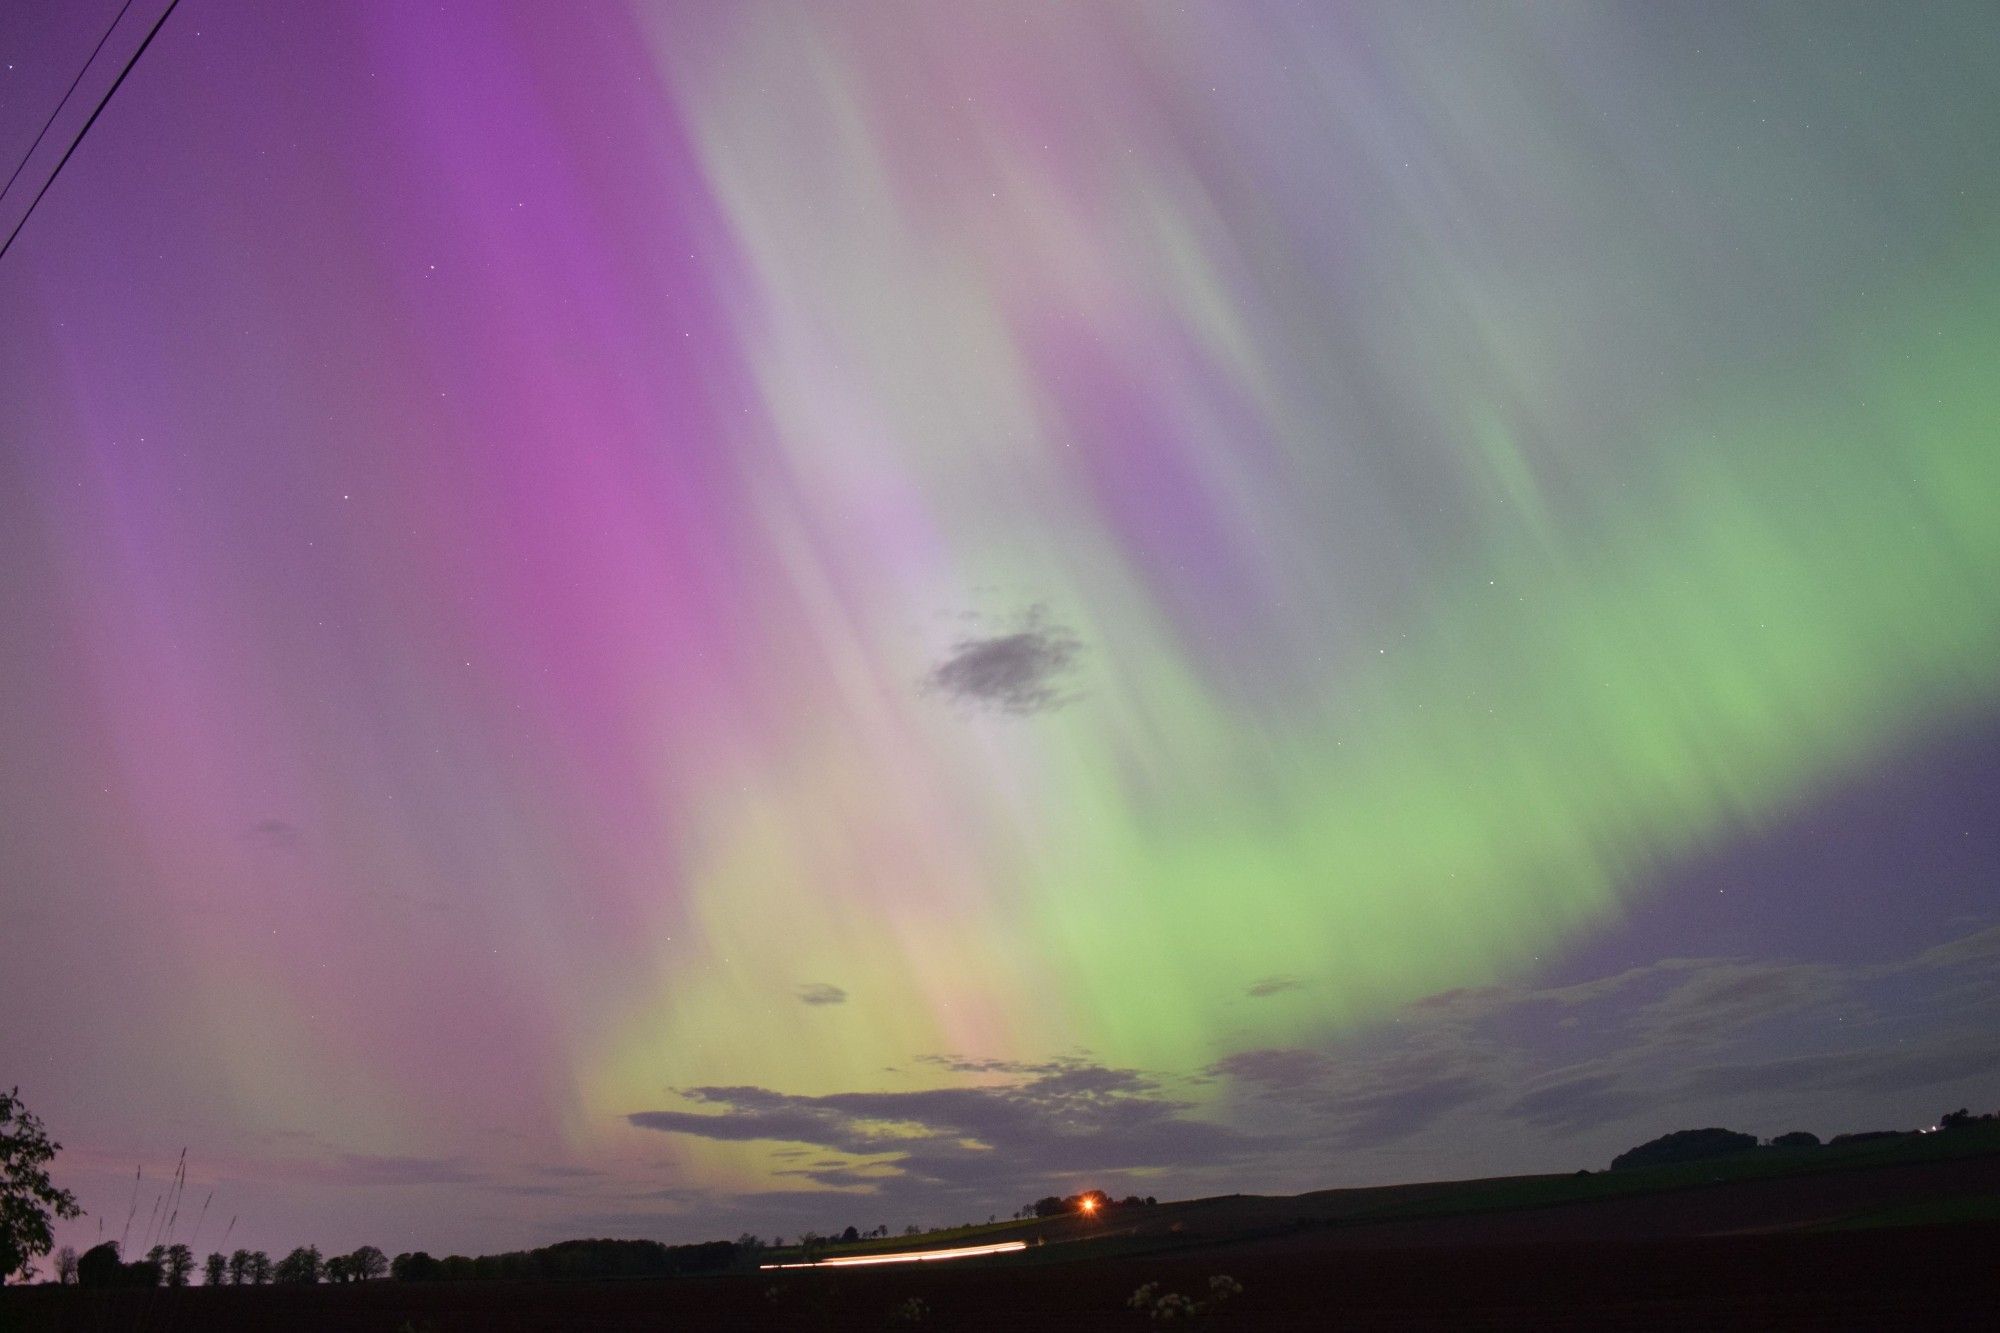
x,y
1883,1237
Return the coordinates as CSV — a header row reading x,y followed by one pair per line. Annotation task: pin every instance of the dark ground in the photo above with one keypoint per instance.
x,y
1908,1278
1901,1237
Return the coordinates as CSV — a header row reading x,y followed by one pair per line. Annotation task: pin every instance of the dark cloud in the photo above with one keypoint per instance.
x,y
1281,1069
1072,1117
1273,986
820,992
1676,1037
1021,673
751,1114
1567,1072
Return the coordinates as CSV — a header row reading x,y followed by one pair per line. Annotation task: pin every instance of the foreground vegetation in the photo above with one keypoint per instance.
x,y
1683,1159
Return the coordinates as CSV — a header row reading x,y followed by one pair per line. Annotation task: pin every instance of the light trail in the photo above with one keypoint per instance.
x,y
909,1256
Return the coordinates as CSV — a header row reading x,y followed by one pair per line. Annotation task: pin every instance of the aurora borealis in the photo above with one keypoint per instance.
x,y
616,615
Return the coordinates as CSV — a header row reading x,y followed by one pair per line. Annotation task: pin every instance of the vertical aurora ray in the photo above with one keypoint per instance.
x,y
484,568
1391,718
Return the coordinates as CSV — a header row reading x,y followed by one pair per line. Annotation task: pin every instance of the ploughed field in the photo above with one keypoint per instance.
x,y
1898,1235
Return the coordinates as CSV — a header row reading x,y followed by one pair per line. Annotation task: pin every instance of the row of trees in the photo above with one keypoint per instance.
x,y
571,1259
29,1202
1696,1145
173,1266
1088,1202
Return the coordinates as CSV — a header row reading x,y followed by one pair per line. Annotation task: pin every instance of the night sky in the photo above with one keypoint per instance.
x,y
650,619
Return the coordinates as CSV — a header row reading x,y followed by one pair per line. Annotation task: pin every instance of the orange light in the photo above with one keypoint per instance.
x,y
1090,1205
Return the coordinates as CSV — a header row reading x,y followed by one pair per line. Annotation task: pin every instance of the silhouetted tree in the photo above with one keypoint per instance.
x,y
28,1198
850,1235
300,1268
418,1267
261,1269
179,1265
1798,1138
215,1270
367,1263
239,1268
100,1267
1052,1206
66,1266
1960,1119
1685,1145
336,1269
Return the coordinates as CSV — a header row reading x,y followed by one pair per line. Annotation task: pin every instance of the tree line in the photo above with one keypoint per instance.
x,y
1087,1203
571,1259
1696,1145
174,1266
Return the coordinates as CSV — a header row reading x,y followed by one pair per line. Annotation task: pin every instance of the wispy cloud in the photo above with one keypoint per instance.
x,y
1873,1069
1681,1040
1580,1101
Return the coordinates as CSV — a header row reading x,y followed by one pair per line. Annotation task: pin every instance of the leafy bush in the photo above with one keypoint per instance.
x,y
1164,1306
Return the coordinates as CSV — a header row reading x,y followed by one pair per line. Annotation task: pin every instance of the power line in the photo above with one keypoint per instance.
x,y
67,92
102,102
